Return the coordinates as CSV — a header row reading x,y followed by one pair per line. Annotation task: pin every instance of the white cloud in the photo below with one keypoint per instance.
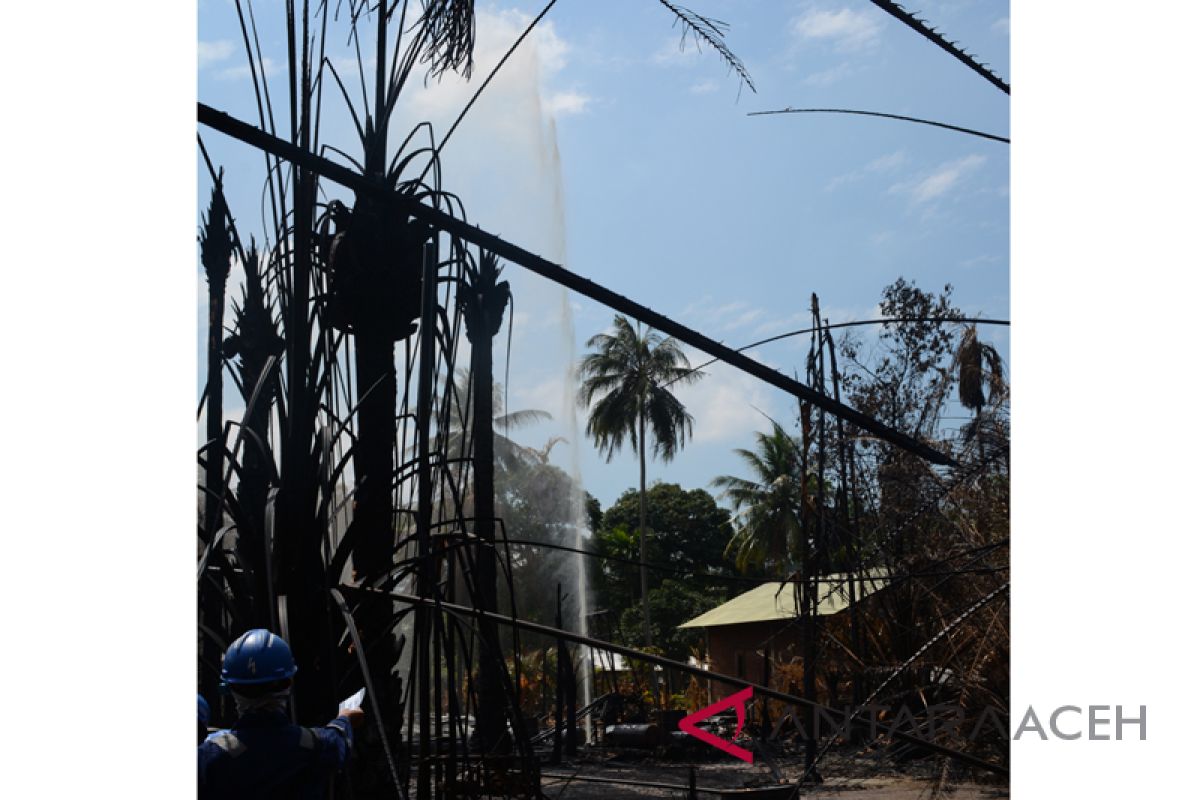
x,y
946,178
846,29
270,68
885,163
1001,26
828,77
676,52
726,404
545,395
347,68
802,320
888,162
777,325
705,314
743,319
942,180
563,103
703,87
210,52
526,324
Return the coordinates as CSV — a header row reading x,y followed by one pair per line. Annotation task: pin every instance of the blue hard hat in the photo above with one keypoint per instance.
x,y
257,656
202,712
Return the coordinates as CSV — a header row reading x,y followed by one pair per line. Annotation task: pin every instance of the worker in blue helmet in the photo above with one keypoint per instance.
x,y
264,755
202,716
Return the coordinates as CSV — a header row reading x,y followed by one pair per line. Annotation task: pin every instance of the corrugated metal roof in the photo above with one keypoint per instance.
x,y
778,600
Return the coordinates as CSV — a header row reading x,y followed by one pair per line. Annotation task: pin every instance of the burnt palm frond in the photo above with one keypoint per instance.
x,y
711,32
929,32
968,361
995,369
216,237
326,64
449,36
484,294
470,103
975,390
216,251
256,337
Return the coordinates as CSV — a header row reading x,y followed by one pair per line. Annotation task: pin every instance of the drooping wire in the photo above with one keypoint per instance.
x,y
947,126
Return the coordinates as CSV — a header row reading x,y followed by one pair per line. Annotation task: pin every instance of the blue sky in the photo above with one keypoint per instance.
x,y
673,196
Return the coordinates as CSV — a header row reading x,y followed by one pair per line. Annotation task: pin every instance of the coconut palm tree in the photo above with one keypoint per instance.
x,y
625,381
768,528
508,453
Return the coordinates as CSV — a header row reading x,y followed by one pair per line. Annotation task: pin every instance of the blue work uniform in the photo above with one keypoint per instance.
x,y
265,756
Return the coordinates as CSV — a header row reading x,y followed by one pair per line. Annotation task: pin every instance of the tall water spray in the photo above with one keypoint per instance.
x,y
579,523
504,161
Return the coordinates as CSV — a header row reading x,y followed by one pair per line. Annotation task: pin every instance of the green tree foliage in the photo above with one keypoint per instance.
x,y
508,452
769,531
686,530
535,501
672,603
627,376
538,502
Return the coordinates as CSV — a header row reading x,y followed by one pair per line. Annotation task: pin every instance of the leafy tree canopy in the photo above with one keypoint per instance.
x,y
672,603
687,530
537,502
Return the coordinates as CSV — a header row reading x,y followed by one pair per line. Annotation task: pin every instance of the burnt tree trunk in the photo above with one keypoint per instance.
x,y
215,251
483,300
302,583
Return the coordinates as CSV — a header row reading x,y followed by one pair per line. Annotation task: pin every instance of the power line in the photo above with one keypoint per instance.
x,y
947,126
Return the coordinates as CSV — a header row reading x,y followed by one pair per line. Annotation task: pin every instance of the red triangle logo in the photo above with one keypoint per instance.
x,y
736,700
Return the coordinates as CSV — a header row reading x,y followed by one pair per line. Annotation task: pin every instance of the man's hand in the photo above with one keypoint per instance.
x,y
355,715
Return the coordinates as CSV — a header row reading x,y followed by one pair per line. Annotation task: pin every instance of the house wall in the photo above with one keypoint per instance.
x,y
737,649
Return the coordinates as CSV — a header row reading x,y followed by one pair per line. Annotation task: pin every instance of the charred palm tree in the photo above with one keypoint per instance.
x,y
483,299
256,344
375,278
216,250
371,272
